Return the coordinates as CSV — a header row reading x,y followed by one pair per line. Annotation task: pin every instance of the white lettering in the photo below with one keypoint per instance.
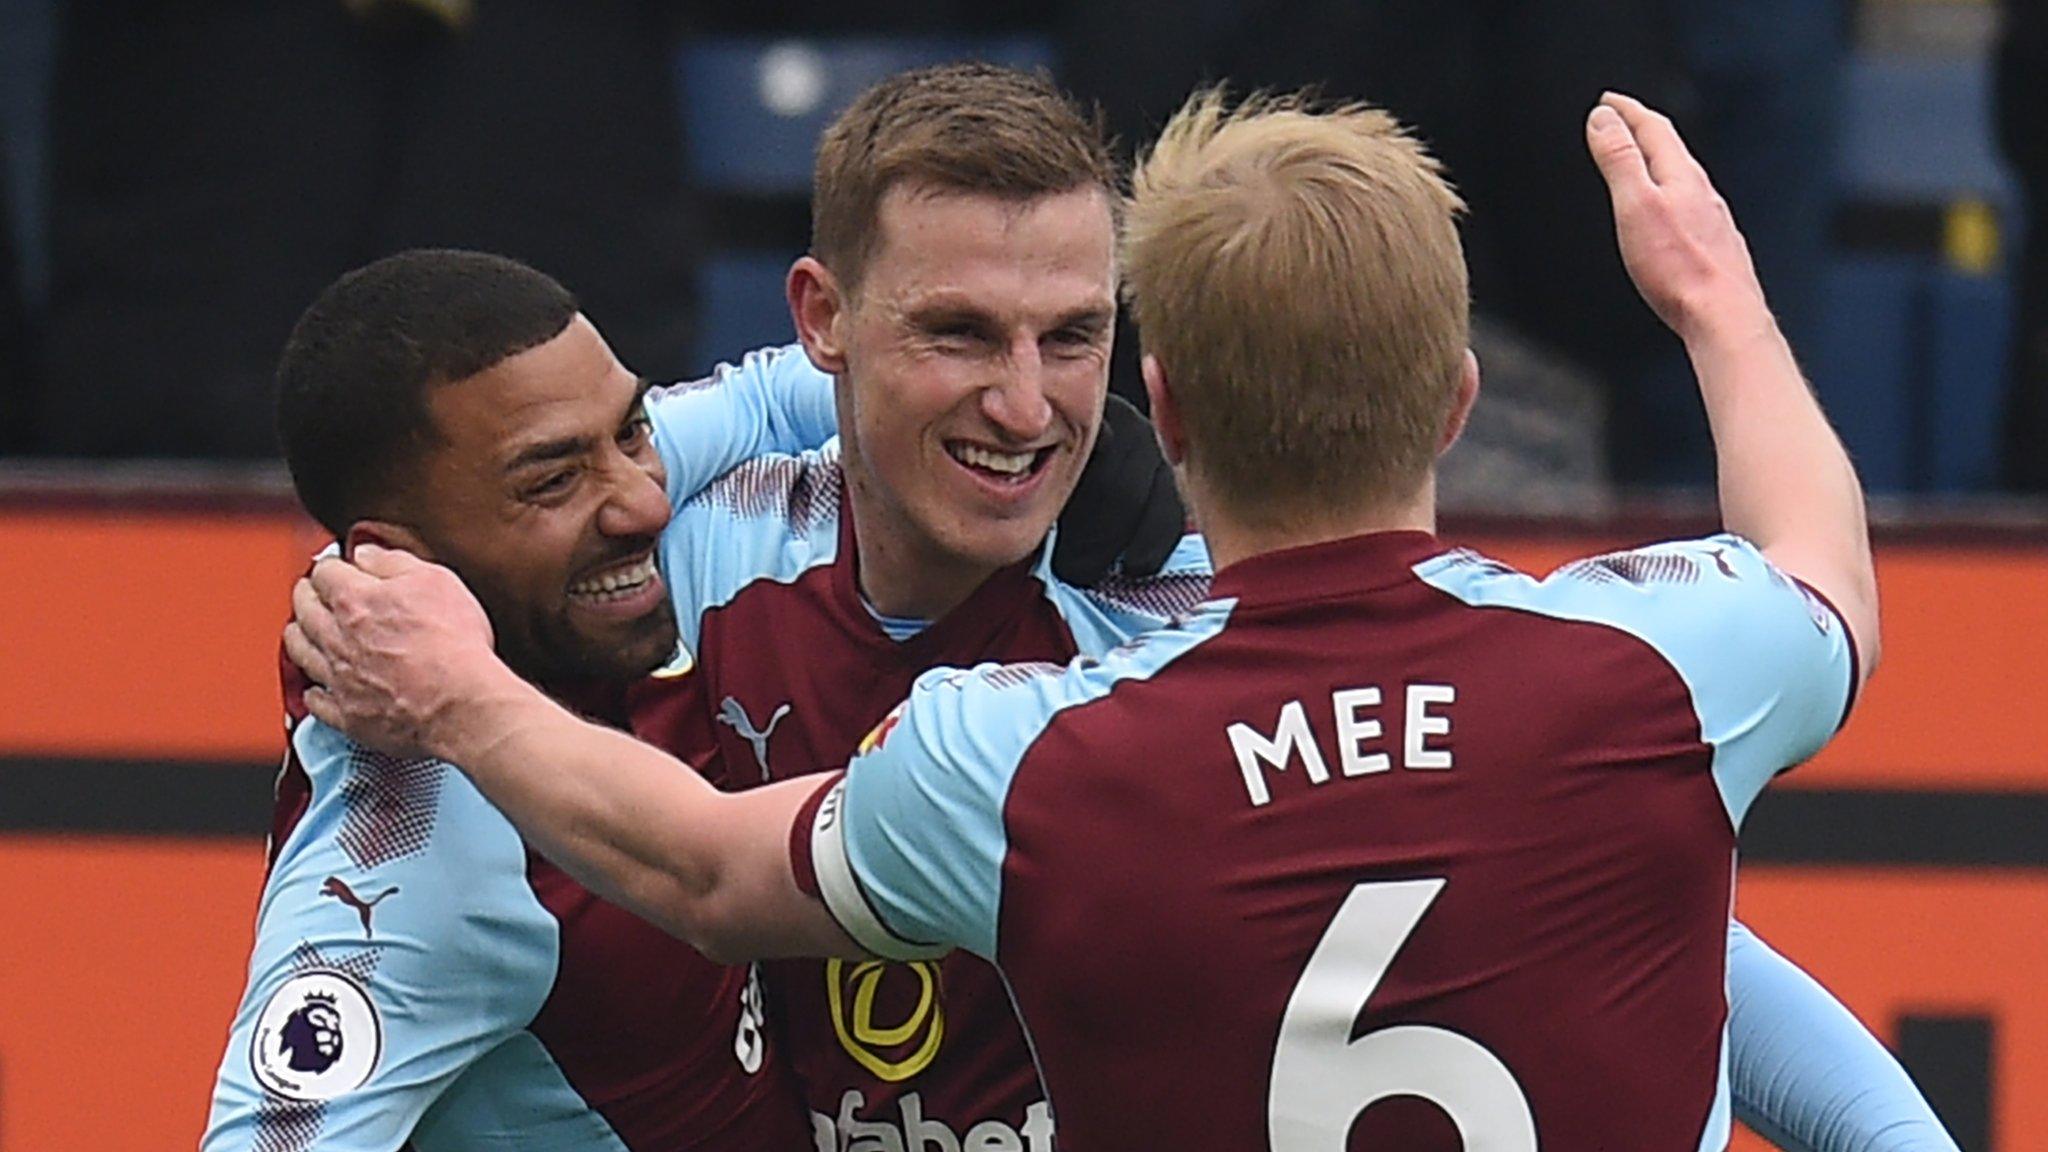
x,y
1290,739
1421,725
992,1136
914,1132
1352,732
1038,1127
920,1134
1359,732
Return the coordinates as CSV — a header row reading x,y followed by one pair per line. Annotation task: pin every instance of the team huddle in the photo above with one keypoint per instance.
x,y
772,761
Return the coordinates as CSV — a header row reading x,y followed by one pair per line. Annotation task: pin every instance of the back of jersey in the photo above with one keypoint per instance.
x,y
1394,848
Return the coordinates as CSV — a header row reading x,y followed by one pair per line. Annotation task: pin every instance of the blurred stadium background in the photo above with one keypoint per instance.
x,y
176,181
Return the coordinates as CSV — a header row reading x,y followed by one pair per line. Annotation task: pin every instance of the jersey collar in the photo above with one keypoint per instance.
x,y
1364,563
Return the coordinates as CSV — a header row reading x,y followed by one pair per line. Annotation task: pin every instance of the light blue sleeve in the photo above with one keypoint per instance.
x,y
773,400
909,847
353,1023
1121,607
1769,666
1806,1075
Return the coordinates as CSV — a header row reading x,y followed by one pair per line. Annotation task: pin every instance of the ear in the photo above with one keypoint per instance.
x,y
384,534
1165,410
820,310
1461,409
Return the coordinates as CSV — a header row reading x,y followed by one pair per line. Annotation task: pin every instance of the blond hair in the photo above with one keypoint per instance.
x,y
1298,275
975,128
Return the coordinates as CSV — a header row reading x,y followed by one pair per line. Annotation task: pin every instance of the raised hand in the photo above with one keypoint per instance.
x,y
1678,239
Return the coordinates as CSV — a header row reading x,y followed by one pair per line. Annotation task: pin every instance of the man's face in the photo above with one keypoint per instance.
x,y
977,357
546,496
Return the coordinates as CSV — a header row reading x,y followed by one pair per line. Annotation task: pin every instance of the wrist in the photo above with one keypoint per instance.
x,y
1738,351
1731,326
467,719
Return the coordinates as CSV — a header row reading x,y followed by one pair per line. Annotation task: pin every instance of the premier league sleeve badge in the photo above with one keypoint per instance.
x,y
318,1037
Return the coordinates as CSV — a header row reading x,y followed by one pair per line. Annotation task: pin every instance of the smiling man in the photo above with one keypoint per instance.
x,y
961,290
464,990
814,587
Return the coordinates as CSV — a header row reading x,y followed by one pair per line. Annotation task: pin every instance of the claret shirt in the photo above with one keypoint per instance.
x,y
1384,841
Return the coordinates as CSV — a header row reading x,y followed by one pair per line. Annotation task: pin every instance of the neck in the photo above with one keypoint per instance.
x,y
1232,538
901,573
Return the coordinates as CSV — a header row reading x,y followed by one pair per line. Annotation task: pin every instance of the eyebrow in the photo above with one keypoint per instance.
x,y
940,315
1093,318
563,447
548,451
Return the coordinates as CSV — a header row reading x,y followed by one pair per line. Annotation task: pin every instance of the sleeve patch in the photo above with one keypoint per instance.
x,y
841,891
318,1037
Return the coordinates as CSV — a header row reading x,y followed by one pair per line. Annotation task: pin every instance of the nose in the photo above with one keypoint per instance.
x,y
1015,401
636,504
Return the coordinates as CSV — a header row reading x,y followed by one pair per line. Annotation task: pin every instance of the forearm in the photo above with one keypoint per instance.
x,y
625,819
1805,1074
1785,480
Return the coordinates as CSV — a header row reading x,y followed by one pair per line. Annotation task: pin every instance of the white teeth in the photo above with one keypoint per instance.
x,y
617,580
1008,463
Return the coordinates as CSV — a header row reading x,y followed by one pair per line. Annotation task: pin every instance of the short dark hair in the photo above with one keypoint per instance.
x,y
352,383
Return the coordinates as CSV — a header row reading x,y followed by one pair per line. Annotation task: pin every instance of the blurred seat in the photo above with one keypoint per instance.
x,y
1918,130
752,111
1910,359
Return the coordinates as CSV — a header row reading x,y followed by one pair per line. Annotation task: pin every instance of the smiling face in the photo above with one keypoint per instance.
x,y
973,360
546,494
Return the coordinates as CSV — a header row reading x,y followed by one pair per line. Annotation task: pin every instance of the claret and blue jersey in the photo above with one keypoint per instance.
x,y
418,973
1382,839
420,979
796,670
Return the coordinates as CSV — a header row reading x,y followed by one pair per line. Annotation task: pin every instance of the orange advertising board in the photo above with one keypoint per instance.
x,y
147,639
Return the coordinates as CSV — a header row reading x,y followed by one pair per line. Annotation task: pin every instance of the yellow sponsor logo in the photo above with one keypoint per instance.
x,y
893,1051
879,735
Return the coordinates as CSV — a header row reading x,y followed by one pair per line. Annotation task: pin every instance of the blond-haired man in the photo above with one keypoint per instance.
x,y
1379,823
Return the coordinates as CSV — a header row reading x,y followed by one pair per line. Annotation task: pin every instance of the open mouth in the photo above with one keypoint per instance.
x,y
996,465
617,583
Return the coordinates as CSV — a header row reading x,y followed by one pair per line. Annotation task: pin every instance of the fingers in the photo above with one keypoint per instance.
x,y
385,562
1616,153
320,705
306,654
1664,151
332,577
316,623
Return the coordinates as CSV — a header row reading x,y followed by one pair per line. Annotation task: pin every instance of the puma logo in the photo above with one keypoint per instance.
x,y
1720,556
342,892
734,716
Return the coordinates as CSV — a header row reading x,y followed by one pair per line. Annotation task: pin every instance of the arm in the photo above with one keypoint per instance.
x,y
354,1023
1806,1075
633,824
773,400
641,828
1785,481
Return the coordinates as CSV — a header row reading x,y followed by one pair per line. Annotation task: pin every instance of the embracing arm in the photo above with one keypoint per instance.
x,y
639,827
1805,1074
414,672
772,400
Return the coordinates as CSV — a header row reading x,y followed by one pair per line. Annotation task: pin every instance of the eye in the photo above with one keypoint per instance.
x,y
636,432
551,485
955,334
1072,341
